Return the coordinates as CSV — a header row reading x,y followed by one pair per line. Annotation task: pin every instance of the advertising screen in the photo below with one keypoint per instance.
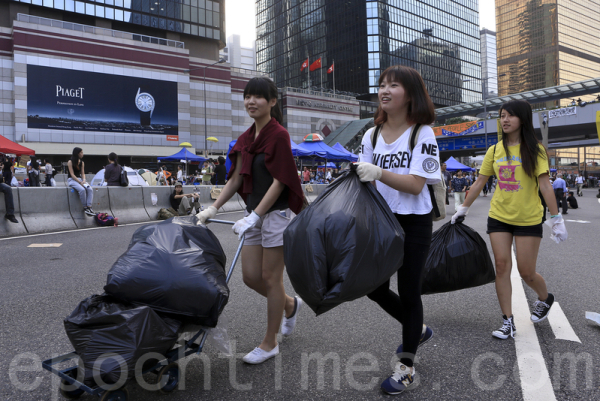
x,y
62,99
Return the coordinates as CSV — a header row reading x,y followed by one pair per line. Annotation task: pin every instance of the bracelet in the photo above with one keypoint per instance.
x,y
556,215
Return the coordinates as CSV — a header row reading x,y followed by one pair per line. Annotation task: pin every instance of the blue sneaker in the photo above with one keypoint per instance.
x,y
401,380
425,336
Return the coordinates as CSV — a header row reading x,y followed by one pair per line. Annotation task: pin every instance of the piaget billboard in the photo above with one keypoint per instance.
x,y
61,99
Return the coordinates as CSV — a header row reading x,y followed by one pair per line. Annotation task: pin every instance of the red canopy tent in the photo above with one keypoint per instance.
x,y
8,146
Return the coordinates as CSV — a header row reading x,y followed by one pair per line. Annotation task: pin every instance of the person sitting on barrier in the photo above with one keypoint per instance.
x,y
78,183
264,174
112,171
181,202
8,199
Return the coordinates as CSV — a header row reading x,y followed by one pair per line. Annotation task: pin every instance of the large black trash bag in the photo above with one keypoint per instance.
x,y
176,267
458,259
343,246
101,325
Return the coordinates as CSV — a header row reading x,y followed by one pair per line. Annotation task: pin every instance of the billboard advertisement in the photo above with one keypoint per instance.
x,y
62,99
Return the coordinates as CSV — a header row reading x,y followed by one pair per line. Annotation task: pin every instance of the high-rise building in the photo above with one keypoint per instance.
x,y
544,43
364,37
489,68
239,56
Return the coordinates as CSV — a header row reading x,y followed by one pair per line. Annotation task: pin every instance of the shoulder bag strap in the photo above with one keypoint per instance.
x,y
375,136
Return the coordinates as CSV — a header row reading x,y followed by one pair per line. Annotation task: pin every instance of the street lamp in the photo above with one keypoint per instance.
x,y
221,61
484,93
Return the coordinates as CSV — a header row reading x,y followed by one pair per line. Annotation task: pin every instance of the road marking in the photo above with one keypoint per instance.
x,y
560,324
579,221
95,228
44,245
535,380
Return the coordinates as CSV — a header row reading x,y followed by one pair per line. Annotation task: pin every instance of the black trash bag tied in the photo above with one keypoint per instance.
x,y
175,267
101,327
343,246
458,259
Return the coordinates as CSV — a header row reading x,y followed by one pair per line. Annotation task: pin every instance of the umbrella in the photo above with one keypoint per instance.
x,y
212,139
312,138
185,144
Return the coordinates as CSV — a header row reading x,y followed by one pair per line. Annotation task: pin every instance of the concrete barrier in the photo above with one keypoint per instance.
x,y
100,204
162,199
8,229
310,196
46,209
127,203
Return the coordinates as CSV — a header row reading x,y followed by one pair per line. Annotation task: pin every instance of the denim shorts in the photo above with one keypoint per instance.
x,y
268,231
496,226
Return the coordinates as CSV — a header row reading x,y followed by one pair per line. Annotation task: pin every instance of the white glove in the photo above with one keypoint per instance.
x,y
247,222
368,172
462,211
559,231
209,213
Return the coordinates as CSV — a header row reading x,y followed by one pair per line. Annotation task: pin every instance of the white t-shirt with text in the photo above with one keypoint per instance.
x,y
397,158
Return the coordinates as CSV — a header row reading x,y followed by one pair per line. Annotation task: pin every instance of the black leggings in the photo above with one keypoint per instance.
x,y
407,307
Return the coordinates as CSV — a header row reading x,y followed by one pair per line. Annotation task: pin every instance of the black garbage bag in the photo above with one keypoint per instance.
x,y
100,327
343,246
458,259
176,267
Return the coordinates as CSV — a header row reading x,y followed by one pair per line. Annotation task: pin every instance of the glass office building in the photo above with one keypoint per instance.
x,y
439,38
489,68
544,43
203,18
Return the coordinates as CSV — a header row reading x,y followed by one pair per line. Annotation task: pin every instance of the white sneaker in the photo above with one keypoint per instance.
x,y
288,325
259,355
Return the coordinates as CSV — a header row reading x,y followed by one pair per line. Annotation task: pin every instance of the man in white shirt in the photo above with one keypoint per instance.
x,y
179,174
579,182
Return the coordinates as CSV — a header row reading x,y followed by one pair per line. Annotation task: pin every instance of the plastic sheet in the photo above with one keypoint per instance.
x,y
458,259
107,333
343,246
176,267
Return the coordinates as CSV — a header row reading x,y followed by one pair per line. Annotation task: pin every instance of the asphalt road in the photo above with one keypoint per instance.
x,y
354,343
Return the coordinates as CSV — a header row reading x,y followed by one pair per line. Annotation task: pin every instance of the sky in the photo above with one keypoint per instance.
x,y
240,18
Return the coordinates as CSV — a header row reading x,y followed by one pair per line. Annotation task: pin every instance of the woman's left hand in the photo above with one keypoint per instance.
x,y
244,224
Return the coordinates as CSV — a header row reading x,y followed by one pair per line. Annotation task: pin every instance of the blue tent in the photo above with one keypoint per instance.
x,y
321,150
329,165
227,159
183,154
452,165
339,147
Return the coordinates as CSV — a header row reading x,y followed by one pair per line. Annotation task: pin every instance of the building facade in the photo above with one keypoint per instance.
x,y
239,56
362,38
489,67
544,43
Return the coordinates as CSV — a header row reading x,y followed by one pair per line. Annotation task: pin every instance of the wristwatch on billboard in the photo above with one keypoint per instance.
x,y
145,103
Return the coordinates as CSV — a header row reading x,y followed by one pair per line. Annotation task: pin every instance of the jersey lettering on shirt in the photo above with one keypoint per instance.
x,y
392,160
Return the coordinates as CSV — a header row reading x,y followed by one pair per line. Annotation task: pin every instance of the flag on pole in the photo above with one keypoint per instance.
x,y
304,65
330,69
316,65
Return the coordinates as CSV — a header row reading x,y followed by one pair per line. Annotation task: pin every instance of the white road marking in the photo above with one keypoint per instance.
x,y
534,376
579,221
44,245
560,324
95,228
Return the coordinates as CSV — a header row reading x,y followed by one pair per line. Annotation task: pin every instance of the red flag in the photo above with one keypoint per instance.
x,y
304,65
330,69
316,65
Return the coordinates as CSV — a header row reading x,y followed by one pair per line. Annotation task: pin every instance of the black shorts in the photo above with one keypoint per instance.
x,y
496,226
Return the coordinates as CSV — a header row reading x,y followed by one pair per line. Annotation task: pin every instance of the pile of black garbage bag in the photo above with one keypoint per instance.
x,y
458,259
172,274
343,246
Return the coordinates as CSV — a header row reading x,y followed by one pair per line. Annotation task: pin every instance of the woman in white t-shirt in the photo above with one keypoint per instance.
x,y
403,173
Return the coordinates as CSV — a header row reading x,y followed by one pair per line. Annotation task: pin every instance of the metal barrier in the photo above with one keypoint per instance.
x,y
46,209
8,229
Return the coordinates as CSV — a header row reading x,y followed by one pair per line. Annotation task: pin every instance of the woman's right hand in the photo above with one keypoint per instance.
x,y
209,213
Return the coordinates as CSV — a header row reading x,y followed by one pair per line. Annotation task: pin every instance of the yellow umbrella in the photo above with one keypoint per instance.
x,y
185,144
212,139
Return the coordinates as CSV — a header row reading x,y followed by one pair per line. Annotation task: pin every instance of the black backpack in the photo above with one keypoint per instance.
x,y
124,179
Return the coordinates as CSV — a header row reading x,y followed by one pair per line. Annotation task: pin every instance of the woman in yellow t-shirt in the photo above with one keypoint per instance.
x,y
521,165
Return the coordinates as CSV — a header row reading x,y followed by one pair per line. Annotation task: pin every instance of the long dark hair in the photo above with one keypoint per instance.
x,y
420,106
75,158
530,145
265,87
112,156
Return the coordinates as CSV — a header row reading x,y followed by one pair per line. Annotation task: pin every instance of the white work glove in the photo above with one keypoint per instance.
x,y
461,212
247,222
368,172
209,213
559,231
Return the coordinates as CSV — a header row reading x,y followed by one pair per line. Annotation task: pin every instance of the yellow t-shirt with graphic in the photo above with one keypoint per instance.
x,y
516,200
